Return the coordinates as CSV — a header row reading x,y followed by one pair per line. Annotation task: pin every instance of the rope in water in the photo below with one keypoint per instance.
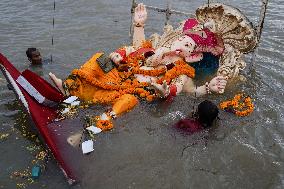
x,y
258,29
53,23
261,19
169,11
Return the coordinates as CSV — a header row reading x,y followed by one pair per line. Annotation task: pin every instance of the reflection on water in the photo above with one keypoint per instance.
x,y
239,153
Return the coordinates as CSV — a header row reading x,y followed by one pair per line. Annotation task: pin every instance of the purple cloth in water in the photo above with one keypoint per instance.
x,y
189,125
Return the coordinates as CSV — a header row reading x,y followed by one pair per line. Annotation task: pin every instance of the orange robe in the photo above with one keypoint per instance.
x,y
77,84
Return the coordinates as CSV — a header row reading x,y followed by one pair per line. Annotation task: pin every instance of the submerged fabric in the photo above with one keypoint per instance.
x,y
189,125
78,86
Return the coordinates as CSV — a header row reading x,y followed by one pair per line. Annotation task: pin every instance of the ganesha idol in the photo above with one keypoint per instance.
x,y
213,43
165,65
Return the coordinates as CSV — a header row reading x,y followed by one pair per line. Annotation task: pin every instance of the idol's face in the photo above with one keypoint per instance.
x,y
183,46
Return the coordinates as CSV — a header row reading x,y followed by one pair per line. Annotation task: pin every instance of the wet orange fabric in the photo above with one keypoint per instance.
x,y
79,87
124,104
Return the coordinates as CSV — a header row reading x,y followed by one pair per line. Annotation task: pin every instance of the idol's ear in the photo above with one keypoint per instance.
x,y
193,57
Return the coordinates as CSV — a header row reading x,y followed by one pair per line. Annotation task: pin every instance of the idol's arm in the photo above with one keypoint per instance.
x,y
216,85
140,17
191,89
138,36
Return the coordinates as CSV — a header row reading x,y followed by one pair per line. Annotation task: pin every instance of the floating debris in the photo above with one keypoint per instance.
x,y
38,164
68,110
75,103
36,172
87,146
4,136
94,130
21,185
75,140
21,174
70,99
33,148
42,155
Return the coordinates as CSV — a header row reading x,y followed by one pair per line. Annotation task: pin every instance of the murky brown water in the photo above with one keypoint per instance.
x,y
240,153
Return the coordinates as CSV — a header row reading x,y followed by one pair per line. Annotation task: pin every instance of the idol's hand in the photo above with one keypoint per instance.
x,y
162,90
140,15
115,57
218,84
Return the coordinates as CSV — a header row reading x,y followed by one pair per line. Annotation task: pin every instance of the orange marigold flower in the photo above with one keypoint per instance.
x,y
104,125
238,106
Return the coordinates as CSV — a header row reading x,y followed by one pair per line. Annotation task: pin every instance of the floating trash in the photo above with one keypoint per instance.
x,y
104,116
36,172
94,130
87,146
33,148
70,99
74,140
75,103
42,155
3,136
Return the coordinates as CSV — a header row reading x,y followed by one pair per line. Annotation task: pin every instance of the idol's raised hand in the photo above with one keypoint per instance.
x,y
140,15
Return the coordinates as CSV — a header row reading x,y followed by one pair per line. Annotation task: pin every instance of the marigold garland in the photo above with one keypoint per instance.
x,y
127,87
180,68
135,61
146,44
110,85
237,107
154,73
125,83
104,125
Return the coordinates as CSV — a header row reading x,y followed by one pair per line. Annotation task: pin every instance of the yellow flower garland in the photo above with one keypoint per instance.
x,y
237,106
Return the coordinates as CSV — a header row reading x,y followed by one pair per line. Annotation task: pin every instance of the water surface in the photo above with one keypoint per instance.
x,y
240,153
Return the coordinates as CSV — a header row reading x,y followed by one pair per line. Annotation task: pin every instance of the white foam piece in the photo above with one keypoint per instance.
x,y
75,103
87,146
104,117
70,99
94,129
